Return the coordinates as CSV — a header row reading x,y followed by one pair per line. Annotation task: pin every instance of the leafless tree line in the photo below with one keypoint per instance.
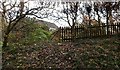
x,y
13,11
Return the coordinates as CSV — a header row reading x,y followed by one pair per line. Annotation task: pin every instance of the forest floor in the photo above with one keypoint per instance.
x,y
84,53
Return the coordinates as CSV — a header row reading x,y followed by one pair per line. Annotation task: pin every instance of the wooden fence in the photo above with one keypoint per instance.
x,y
78,32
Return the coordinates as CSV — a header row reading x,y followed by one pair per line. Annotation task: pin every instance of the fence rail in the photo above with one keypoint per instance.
x,y
69,34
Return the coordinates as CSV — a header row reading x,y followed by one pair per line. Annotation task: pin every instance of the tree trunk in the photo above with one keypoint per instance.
x,y
89,20
98,18
73,33
5,41
107,18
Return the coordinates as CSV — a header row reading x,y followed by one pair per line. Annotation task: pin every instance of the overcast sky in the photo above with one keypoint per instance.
x,y
62,22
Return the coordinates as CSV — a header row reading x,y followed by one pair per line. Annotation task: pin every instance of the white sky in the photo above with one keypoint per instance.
x,y
61,22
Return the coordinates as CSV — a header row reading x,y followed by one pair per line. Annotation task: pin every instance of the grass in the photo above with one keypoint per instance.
x,y
87,53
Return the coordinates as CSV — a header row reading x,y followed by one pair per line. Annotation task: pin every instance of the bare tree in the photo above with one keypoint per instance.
x,y
97,9
71,11
88,8
13,11
108,7
68,12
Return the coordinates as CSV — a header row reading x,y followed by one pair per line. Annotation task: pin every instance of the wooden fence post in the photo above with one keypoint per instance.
x,y
82,32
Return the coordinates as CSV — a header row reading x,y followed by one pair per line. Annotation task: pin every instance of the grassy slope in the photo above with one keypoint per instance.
x,y
87,53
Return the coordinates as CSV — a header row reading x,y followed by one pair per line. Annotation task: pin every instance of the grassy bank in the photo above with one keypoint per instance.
x,y
87,53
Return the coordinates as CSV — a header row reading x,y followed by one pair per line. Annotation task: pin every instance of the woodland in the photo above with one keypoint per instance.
x,y
91,41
